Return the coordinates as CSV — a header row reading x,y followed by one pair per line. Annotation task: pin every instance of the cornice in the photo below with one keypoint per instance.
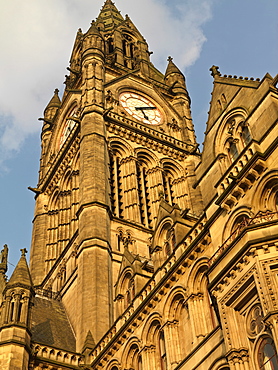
x,y
147,136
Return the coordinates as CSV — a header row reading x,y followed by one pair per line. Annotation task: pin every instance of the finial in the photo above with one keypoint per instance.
x,y
170,59
93,23
23,252
56,91
215,71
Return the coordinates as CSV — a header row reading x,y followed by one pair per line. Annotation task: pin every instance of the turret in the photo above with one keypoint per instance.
x,y
17,294
93,212
52,107
175,79
49,115
15,318
92,68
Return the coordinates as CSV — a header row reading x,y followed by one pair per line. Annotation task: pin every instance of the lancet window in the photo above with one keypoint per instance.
x,y
134,359
232,149
162,351
62,219
245,134
267,355
129,49
174,185
110,45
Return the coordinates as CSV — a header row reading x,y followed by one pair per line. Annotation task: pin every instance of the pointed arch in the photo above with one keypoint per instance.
x,y
234,218
146,157
163,237
52,202
71,110
175,299
150,185
175,184
65,183
123,180
114,365
265,196
120,147
149,331
200,303
229,130
197,275
173,167
124,279
178,327
131,354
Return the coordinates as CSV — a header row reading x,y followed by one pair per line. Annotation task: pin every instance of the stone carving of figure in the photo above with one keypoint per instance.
x,y
4,254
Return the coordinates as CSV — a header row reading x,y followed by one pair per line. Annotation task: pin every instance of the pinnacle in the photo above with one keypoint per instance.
x,y
21,275
55,101
215,71
93,29
268,76
89,342
172,68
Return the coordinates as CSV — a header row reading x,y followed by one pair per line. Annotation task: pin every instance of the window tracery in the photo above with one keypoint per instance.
x,y
234,134
232,149
245,134
129,50
255,324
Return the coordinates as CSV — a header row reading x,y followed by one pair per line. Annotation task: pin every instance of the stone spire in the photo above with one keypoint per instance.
x,y
52,107
172,68
21,275
175,78
55,101
109,16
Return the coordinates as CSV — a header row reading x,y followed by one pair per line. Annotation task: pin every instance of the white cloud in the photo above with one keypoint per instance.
x,y
36,41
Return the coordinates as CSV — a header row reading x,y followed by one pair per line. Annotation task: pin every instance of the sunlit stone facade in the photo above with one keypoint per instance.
x,y
147,254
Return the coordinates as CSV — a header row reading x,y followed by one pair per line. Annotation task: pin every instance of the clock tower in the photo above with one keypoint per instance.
x,y
117,150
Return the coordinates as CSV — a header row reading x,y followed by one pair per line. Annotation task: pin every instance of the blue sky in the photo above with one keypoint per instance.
x,y
240,36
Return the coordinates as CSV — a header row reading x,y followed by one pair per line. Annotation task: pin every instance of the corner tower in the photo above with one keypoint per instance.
x,y
120,140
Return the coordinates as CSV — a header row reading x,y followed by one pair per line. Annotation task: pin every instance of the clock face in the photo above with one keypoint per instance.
x,y
140,108
68,127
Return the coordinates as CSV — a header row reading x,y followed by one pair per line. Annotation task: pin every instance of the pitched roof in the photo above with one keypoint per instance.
x,y
50,325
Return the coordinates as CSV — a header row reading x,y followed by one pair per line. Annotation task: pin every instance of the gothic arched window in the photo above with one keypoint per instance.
x,y
245,135
267,355
162,350
233,152
110,44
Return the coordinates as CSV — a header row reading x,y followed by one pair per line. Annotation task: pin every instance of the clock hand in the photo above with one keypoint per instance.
x,y
145,108
142,109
